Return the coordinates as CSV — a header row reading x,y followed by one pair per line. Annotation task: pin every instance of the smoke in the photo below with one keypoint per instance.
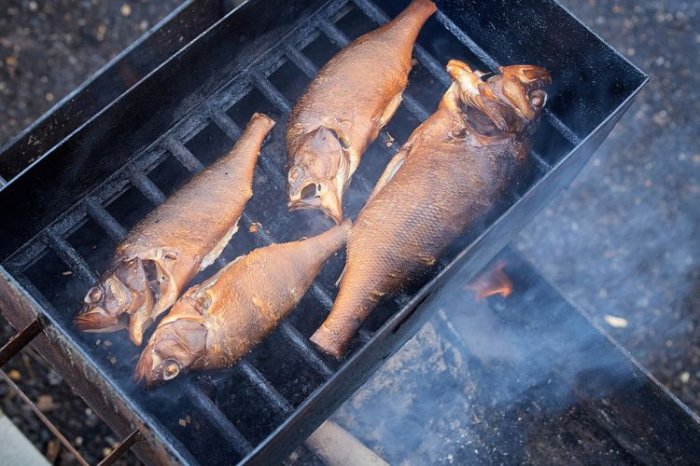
x,y
489,381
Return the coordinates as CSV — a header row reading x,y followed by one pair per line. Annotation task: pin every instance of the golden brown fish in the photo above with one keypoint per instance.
x,y
219,321
184,235
354,95
450,172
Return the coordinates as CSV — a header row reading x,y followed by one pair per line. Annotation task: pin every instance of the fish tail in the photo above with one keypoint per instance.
x,y
350,309
411,20
420,10
328,242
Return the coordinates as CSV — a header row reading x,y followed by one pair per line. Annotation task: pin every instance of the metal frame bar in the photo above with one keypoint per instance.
x,y
121,449
19,341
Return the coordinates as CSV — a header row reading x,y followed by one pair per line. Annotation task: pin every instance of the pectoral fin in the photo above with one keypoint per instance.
x,y
389,172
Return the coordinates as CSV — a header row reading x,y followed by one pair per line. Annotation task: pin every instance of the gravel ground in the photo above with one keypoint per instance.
x,y
632,213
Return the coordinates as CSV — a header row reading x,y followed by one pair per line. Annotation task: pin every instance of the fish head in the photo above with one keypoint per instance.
x,y
177,344
319,172
523,87
508,102
121,292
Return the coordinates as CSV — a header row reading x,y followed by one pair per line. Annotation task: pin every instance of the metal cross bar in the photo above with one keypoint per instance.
x,y
19,341
145,186
301,60
302,346
103,218
70,257
225,427
264,387
122,448
183,155
225,123
269,91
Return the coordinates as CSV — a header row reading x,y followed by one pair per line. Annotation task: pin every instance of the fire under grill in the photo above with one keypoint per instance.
x,y
190,111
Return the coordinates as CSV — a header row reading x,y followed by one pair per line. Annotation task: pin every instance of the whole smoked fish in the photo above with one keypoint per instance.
x,y
182,236
452,169
219,321
354,95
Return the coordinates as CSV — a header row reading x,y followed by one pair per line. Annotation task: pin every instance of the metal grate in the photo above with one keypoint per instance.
x,y
135,178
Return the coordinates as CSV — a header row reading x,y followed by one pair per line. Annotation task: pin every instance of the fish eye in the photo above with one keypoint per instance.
x,y
171,369
94,295
538,99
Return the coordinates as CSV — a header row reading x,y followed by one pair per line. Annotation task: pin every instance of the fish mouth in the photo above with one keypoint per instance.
x,y
145,368
97,320
520,88
318,195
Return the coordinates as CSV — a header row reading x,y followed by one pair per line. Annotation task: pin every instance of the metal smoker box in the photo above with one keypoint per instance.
x,y
64,208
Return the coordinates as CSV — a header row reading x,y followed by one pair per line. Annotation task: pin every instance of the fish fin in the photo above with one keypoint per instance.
x,y
340,278
337,130
389,172
137,324
390,109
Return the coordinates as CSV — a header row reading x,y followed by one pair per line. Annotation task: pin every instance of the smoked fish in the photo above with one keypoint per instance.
x,y
181,237
217,322
452,170
353,97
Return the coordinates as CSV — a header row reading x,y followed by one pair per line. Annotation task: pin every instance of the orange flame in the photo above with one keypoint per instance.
x,y
492,282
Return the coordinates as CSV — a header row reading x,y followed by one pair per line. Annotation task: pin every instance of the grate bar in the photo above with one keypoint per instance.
x,y
108,223
225,123
332,32
540,163
225,427
270,393
448,24
364,335
302,61
564,130
3,181
70,256
270,91
415,107
183,155
432,65
303,346
147,187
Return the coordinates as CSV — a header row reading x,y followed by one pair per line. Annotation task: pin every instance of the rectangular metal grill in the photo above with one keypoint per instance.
x,y
111,209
